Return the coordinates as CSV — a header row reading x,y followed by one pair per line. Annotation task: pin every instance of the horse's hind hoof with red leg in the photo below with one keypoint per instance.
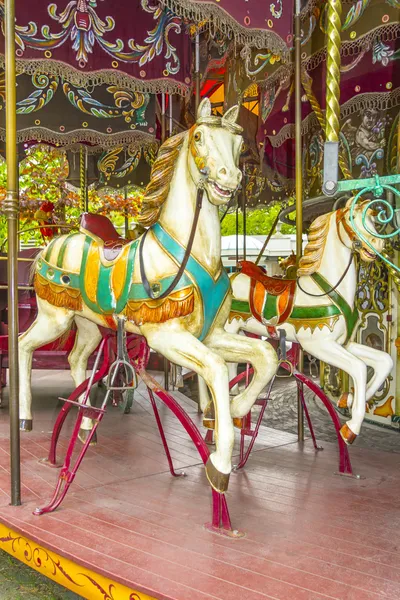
x,y
347,435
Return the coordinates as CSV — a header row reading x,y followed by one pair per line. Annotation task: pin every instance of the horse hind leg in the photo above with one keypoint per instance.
x,y
87,339
50,323
331,352
381,362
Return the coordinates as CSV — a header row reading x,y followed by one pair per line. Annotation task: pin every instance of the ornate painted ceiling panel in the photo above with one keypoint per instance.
x,y
136,44
51,109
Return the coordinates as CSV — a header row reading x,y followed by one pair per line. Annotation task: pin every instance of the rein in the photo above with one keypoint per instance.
x,y
356,244
174,283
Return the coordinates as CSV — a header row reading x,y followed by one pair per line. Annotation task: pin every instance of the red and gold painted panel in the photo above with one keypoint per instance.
x,y
75,577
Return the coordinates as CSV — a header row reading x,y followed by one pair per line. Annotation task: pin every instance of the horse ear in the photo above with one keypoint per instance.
x,y
231,115
204,109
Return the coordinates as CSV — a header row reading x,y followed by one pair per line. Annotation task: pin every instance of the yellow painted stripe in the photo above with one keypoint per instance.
x,y
92,272
118,274
75,577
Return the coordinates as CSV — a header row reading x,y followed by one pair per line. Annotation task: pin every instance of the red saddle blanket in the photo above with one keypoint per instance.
x,y
263,286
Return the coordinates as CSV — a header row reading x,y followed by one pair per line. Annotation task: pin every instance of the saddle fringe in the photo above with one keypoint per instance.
x,y
170,308
57,295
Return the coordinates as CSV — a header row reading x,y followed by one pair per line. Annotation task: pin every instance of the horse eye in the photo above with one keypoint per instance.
x,y
197,136
243,148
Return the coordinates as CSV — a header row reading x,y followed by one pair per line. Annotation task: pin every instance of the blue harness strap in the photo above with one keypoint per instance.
x,y
213,293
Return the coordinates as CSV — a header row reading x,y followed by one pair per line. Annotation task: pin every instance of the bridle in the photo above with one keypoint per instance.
x,y
204,170
356,245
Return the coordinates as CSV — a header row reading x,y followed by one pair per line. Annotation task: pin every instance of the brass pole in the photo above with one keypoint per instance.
x,y
244,212
170,115
163,138
82,178
237,234
197,70
333,59
126,218
11,208
163,120
299,185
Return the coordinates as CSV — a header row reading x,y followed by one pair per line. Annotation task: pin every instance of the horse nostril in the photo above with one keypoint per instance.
x,y
222,171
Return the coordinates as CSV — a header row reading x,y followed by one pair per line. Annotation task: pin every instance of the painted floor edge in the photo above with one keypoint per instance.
x,y
73,576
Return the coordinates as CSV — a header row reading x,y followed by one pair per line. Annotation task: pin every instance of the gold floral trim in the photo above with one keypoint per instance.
x,y
314,324
94,78
75,577
57,295
135,139
219,20
178,304
239,315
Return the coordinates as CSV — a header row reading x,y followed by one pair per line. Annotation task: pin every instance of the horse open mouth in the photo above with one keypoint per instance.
x,y
369,254
220,190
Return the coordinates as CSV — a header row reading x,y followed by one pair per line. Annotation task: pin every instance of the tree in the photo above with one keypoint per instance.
x,y
43,178
258,222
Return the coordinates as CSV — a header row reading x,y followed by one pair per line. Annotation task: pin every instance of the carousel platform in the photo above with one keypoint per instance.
x,y
127,530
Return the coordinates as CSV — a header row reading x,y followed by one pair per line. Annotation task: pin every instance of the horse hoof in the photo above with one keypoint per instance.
x,y
342,402
84,434
238,422
25,424
347,435
218,481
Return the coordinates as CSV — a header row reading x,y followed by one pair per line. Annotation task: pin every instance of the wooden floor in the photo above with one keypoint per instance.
x,y
310,535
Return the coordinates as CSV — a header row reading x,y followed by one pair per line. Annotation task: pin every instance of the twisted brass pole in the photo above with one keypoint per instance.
x,y
332,129
11,208
307,85
299,187
83,179
334,26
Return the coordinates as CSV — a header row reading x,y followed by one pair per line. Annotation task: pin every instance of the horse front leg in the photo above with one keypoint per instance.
x,y
329,351
238,348
87,339
182,348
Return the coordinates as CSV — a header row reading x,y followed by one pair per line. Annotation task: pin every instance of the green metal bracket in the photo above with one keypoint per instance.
x,y
386,213
375,184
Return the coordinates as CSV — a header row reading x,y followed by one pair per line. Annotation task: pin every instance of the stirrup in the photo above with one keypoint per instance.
x,y
122,360
283,361
290,368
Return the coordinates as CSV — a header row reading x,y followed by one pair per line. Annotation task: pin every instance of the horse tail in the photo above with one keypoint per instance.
x,y
64,337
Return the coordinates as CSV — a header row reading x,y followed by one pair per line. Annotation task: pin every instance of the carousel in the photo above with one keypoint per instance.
x,y
130,133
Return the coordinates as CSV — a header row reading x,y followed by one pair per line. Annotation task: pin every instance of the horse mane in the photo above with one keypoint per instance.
x,y
317,235
157,189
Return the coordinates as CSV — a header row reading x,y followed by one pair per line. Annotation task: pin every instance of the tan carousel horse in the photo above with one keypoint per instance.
x,y
179,300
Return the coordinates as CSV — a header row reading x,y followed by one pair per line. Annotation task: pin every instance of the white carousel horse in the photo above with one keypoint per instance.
x,y
81,278
317,310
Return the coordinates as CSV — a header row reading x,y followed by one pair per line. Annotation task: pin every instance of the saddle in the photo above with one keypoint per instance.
x,y
262,286
102,228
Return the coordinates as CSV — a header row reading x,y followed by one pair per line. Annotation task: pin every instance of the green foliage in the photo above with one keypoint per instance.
x,y
258,222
